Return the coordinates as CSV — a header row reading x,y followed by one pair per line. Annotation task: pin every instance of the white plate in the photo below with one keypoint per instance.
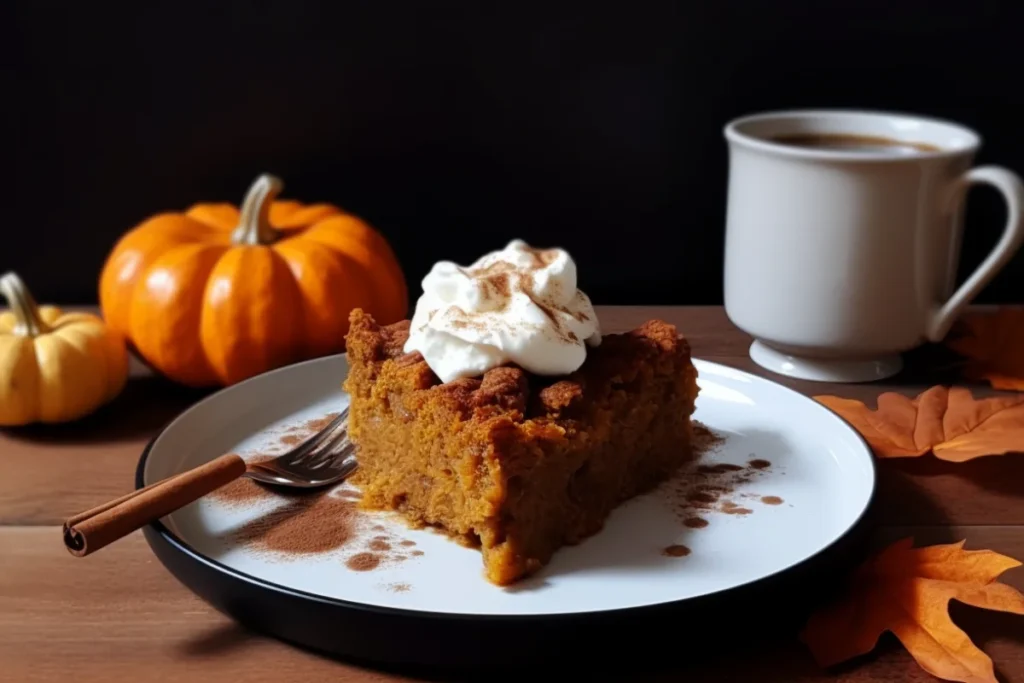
x,y
821,468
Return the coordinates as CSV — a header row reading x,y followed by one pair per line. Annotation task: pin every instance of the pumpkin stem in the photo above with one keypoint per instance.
x,y
254,223
28,323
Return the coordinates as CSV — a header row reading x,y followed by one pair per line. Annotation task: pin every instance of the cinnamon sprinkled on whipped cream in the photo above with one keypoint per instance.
x,y
518,305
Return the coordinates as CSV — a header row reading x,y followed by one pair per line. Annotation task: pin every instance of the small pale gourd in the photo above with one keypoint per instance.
x,y
54,366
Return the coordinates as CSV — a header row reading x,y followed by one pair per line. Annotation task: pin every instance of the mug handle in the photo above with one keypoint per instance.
x,y
1010,186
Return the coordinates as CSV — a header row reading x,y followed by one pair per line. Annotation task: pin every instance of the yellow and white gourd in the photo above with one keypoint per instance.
x,y
54,366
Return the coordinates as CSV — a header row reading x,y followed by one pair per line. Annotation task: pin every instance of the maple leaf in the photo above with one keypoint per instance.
x,y
993,345
950,423
907,591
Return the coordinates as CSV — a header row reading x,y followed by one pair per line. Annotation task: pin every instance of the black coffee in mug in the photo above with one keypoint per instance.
x,y
866,144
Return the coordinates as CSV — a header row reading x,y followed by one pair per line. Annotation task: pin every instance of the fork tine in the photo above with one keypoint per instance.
x,y
321,450
327,445
317,439
338,438
328,455
334,458
323,458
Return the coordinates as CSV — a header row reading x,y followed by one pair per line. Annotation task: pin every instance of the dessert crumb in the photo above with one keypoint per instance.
x,y
676,551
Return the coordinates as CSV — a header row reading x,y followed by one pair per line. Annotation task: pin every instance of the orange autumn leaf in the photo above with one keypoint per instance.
x,y
950,423
993,346
907,591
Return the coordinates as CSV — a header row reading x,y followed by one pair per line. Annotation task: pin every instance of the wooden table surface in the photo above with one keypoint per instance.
x,y
119,615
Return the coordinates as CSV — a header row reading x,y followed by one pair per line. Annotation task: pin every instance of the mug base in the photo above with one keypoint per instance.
x,y
825,369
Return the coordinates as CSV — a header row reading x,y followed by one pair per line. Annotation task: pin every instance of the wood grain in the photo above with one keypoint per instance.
x,y
119,615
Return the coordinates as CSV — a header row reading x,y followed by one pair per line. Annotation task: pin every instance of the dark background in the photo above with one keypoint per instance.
x,y
454,127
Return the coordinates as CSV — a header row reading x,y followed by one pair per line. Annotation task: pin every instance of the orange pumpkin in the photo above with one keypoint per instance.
x,y
215,295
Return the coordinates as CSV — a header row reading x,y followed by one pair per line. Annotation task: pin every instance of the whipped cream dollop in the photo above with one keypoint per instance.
x,y
517,305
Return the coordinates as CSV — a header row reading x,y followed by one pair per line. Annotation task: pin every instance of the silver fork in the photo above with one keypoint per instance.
x,y
325,458
322,459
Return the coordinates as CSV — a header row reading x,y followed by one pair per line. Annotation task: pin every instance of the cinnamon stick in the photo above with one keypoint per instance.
x,y
87,532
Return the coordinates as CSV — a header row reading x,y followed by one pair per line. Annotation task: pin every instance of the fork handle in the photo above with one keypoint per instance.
x,y
87,532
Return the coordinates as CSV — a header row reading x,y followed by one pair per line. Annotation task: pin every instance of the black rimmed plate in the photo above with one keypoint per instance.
x,y
426,602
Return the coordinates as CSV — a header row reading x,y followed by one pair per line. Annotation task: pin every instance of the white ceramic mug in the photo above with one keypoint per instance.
x,y
837,260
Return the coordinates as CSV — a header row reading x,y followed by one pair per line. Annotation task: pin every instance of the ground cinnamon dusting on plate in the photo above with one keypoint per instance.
x,y
720,468
703,487
311,427
704,440
382,548
299,433
379,544
701,499
676,551
308,523
243,490
731,508
363,562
